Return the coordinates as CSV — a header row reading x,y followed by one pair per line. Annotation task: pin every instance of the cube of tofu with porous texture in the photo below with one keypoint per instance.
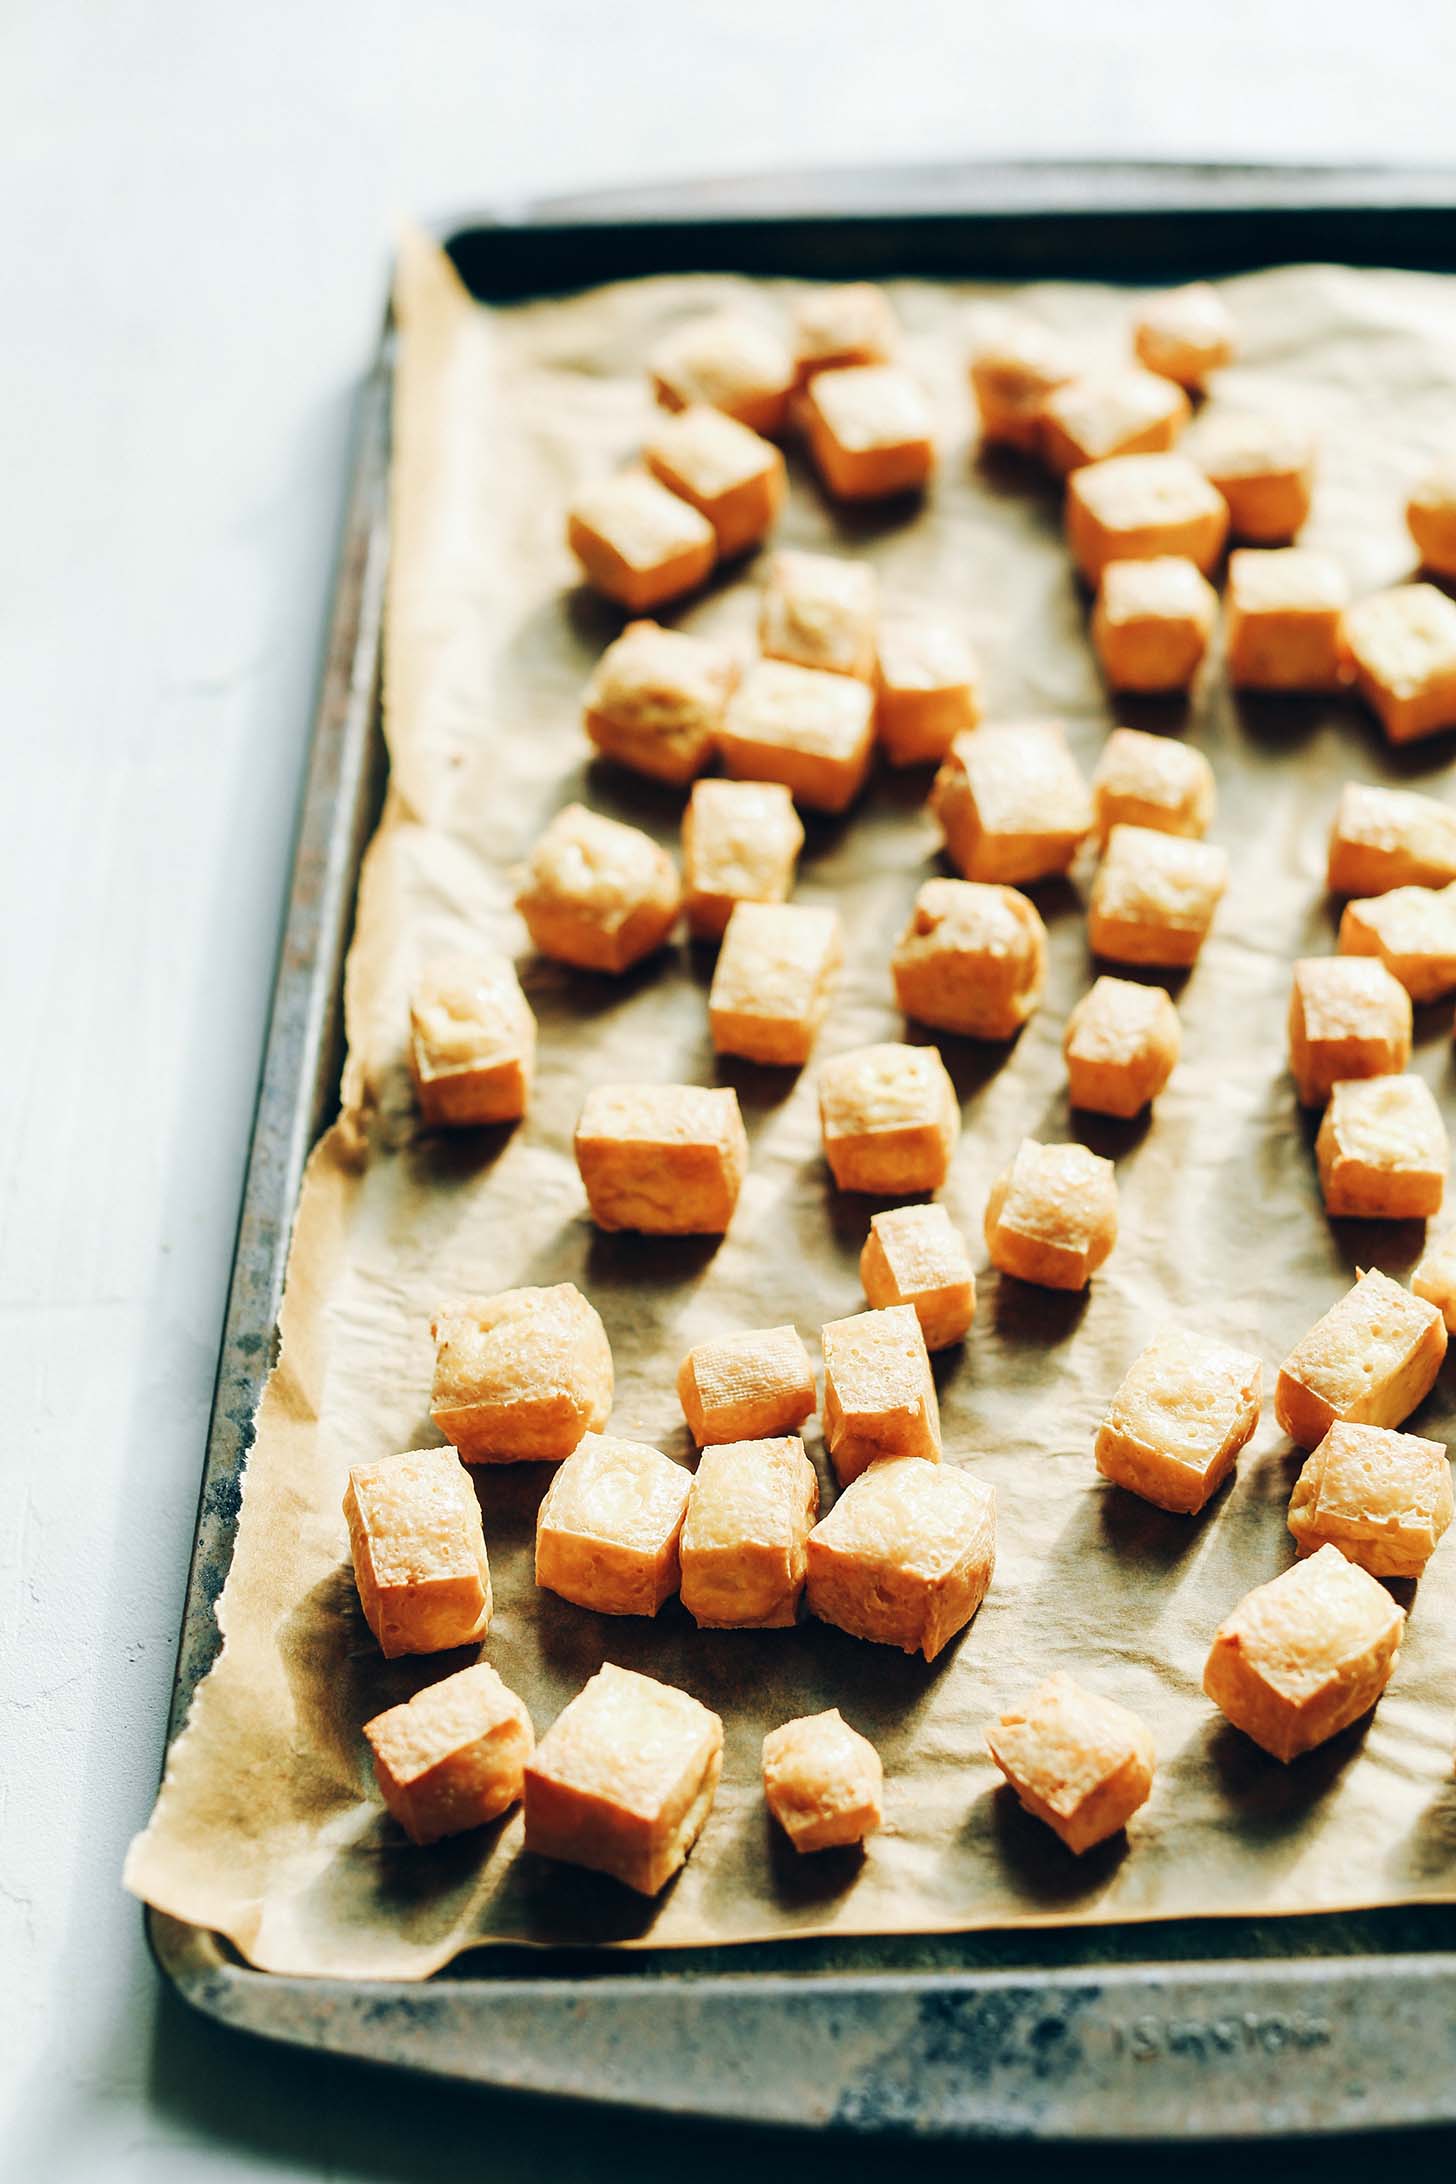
x,y
668,1159
1263,468
851,323
1435,1276
1304,1655
774,978
1143,508
1174,1429
812,731
419,1552
1285,620
1431,516
607,1530
1413,932
472,1041
453,1756
1011,802
746,1387
916,1255
1369,1362
1382,1150
656,701
820,611
890,1119
1185,335
1154,897
1076,1760
597,894
1347,1018
972,959
521,1376
1382,1498
823,1781
637,543
926,690
1014,366
1121,1045
905,1555
869,432
726,361
741,842
624,1779
1152,622
879,1396
743,1545
1152,781
1385,838
1404,647
1052,1215
1101,418
731,475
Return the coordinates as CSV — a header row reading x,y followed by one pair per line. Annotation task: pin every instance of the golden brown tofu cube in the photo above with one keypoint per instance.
x,y
1121,1045
472,1042
916,1255
419,1552
607,1530
1078,1761
1152,623
1154,897
732,476
1015,365
667,1159
1152,781
1371,1359
774,978
624,1779
869,432
728,361
637,543
820,611
453,1756
926,690
852,323
747,1387
1403,643
1263,468
823,1781
1052,1215
741,842
521,1376
656,701
890,1119
1413,932
743,1544
879,1396
1108,416
1011,802
1143,508
1431,515
1185,335
1383,1499
1174,1429
1347,1018
1382,1150
905,1556
597,894
1303,1656
812,731
1435,1276
972,959
1286,620
1385,838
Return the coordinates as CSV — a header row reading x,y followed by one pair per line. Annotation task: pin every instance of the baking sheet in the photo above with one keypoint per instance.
x,y
268,1828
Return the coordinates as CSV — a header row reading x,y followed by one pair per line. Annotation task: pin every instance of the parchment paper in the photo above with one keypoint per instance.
x,y
268,1826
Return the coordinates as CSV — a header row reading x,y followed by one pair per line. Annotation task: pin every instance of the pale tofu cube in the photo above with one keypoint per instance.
x,y
1121,1046
1382,1150
744,1539
890,1119
741,843
1285,617
1152,781
597,894
1413,932
812,731
1385,838
607,1530
419,1552
1347,1018
820,611
1263,468
972,959
1383,1499
1435,1277
851,323
869,431
521,1376
665,1159
926,692
773,981
656,701
1152,623
1174,1429
823,1782
732,476
1015,365
728,361
624,1779
452,1757
1108,415
747,1387
1076,1760
1052,1215
916,1255
905,1556
1011,802
1404,646
1303,1656
1143,508
1371,1359
1185,335
638,544
1154,897
879,1396
472,1042
1431,515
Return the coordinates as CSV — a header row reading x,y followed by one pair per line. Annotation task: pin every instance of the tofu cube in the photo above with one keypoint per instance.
x,y
926,690
727,361
1110,414
879,1396
972,959
1012,803
1052,1215
890,1119
1285,614
1382,1150
811,731
638,544
1435,1277
744,1540
665,1159
1185,335
1121,1045
624,1779
597,894
472,1042
521,1376
1264,469
823,1782
1076,1760
453,1756
1403,643
1154,897
1383,1499
1304,1655
774,978
419,1552
916,1255
747,1387
1152,623
741,843
732,476
869,432
1385,838
1347,1018
1151,781
1413,932
1174,1429
850,323
905,1556
1371,1359
1015,365
1431,515
656,701
607,1530
1143,508
820,611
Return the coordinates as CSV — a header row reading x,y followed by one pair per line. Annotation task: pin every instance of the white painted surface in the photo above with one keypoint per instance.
x,y
194,235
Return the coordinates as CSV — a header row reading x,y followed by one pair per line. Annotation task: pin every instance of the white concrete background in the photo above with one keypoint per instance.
x,y
194,233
